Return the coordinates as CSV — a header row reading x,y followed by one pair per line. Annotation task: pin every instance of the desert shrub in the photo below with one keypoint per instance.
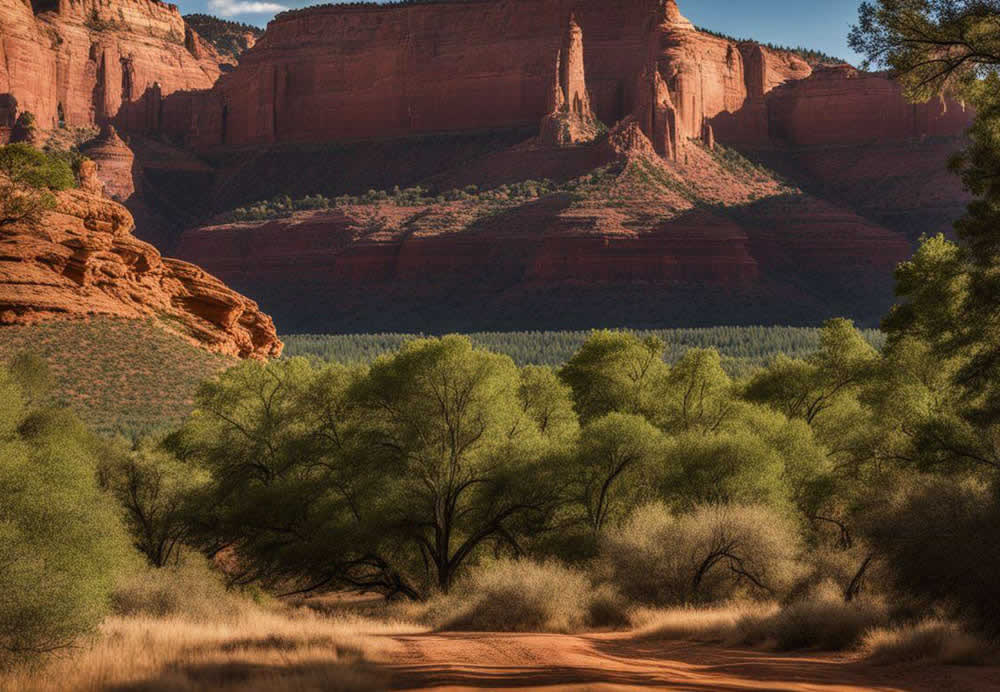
x,y
941,545
61,545
823,621
933,640
525,596
191,589
717,624
715,552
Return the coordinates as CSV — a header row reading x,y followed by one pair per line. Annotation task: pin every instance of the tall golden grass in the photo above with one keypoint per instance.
x,y
256,649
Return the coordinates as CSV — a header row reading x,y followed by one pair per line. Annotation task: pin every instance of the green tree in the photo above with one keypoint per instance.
x,y
153,488
941,417
613,468
289,487
616,371
61,543
471,461
698,393
953,46
933,45
26,177
548,403
807,388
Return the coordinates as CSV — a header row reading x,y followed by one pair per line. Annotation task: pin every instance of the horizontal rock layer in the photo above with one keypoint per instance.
x,y
82,259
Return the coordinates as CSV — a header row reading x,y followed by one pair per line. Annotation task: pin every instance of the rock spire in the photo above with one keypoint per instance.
x,y
570,119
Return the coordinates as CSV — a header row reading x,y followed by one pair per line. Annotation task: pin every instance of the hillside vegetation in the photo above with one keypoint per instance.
x,y
230,38
133,377
125,376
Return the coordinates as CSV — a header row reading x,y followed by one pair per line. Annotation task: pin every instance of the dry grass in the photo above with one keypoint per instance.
x,y
818,623
826,624
254,650
522,596
932,640
719,624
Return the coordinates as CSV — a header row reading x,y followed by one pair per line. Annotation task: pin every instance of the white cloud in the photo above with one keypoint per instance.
x,y
231,8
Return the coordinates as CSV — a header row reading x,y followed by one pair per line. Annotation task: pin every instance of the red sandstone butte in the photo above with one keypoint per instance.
x,y
82,259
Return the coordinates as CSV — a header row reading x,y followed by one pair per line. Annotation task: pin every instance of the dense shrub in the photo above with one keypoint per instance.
x,y
941,544
933,640
823,621
191,589
61,545
712,553
26,177
525,596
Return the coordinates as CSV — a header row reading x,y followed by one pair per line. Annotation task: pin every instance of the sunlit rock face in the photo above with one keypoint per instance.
x,y
81,259
83,62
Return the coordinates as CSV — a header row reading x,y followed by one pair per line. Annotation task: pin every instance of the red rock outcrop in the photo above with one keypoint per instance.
x,y
82,62
646,222
114,162
570,119
82,259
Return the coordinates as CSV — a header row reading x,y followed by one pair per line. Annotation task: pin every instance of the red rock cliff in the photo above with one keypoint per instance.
x,y
78,62
358,71
82,259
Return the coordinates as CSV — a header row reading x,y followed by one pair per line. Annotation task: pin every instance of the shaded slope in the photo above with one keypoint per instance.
x,y
621,237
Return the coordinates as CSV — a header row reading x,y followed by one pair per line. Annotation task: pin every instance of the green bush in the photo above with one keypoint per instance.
x,y
61,544
27,177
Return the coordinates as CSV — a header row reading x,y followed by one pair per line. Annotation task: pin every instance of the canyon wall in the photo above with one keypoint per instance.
x,y
345,72
83,62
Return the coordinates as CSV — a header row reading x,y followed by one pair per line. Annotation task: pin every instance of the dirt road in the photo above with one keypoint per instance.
x,y
471,661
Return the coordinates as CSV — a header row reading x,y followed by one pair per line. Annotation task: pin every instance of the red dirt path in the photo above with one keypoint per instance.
x,y
473,661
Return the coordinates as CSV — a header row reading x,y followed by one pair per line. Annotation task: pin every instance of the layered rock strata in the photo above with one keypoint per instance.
x,y
82,259
83,62
359,71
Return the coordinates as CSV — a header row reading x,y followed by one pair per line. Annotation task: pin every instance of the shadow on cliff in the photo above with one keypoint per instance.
x,y
530,268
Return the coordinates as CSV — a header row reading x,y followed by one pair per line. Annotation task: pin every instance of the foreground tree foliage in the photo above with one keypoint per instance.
x,y
943,350
153,488
389,478
397,476
61,544
470,459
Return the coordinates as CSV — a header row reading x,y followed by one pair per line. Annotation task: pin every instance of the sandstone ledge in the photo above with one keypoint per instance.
x,y
83,260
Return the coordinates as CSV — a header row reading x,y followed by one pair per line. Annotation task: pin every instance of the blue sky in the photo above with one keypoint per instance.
x,y
818,24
